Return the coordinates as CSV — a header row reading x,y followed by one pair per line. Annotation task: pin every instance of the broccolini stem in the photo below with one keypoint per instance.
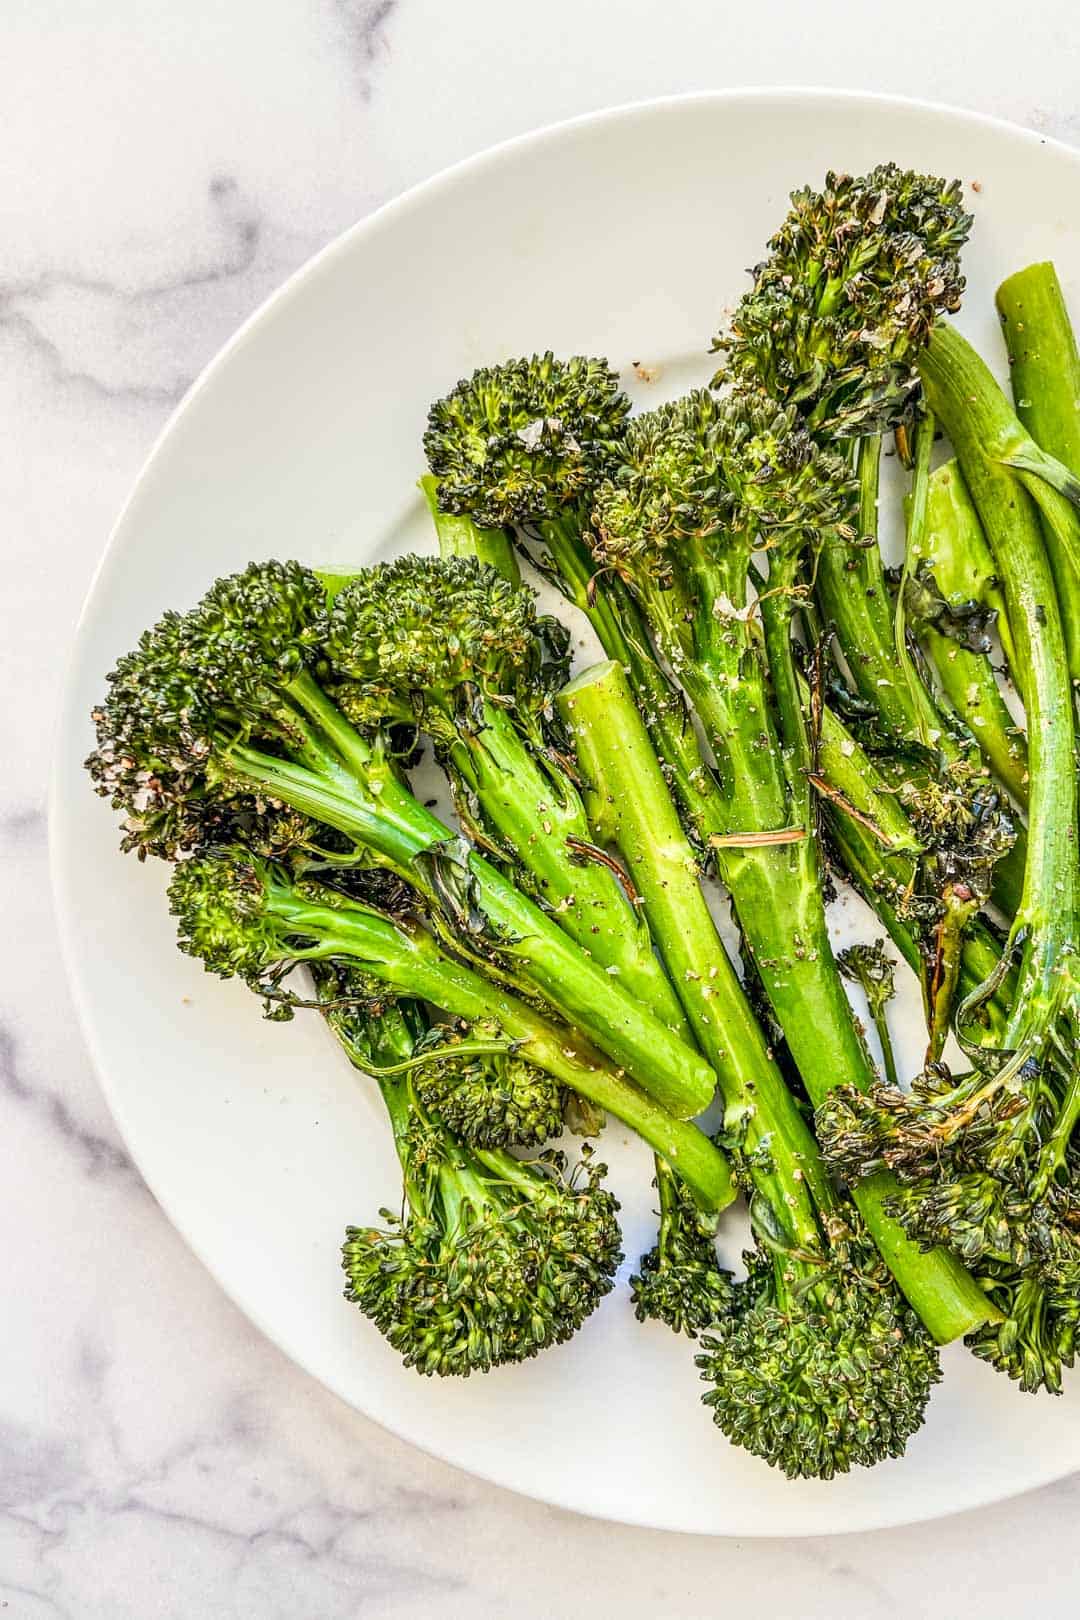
x,y
634,802
789,937
888,1054
383,816
540,817
537,810
620,628
916,530
414,965
1045,375
983,429
955,551
461,537
853,597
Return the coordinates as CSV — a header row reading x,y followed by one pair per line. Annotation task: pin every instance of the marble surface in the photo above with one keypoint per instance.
x,y
162,169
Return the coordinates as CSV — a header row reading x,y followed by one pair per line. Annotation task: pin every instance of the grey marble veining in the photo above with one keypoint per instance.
x,y
163,169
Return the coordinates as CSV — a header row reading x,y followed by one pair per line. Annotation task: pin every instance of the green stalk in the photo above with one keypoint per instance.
x,y
636,807
982,428
461,537
412,964
539,818
531,805
631,807
372,806
954,550
853,597
621,630
915,533
1045,373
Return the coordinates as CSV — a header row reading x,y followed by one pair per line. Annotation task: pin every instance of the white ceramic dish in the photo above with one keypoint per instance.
x,y
622,234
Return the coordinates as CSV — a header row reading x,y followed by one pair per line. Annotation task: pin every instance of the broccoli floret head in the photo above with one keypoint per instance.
x,y
430,633
494,1260
489,1100
870,967
193,678
855,280
680,1280
219,901
1036,1341
981,1173
525,441
819,1374
730,474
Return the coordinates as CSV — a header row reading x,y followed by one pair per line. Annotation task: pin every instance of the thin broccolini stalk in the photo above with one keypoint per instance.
x,y
592,906
870,968
242,916
815,1292
985,435
954,598
633,803
461,537
853,596
1045,376
915,530
449,645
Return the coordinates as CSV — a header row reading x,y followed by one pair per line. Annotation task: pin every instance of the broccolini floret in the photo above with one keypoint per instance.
x,y
491,1259
680,1280
854,281
226,700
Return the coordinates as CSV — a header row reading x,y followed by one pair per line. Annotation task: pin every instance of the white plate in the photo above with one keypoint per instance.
x,y
621,234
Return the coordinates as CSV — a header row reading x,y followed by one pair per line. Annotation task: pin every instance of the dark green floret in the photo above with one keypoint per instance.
x,y
987,1169
855,280
490,1259
488,1099
522,441
493,1261
819,1372
425,638
680,1281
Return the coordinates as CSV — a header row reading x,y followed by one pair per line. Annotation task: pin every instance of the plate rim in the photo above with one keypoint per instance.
x,y
370,224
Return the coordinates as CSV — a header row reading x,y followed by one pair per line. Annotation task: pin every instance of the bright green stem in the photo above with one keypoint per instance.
x,y
916,529
876,1009
539,816
380,813
621,630
982,428
789,939
633,806
777,894
955,552
413,965
535,809
853,597
1045,373
461,537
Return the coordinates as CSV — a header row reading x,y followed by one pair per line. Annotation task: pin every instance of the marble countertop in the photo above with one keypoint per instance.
x,y
163,168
